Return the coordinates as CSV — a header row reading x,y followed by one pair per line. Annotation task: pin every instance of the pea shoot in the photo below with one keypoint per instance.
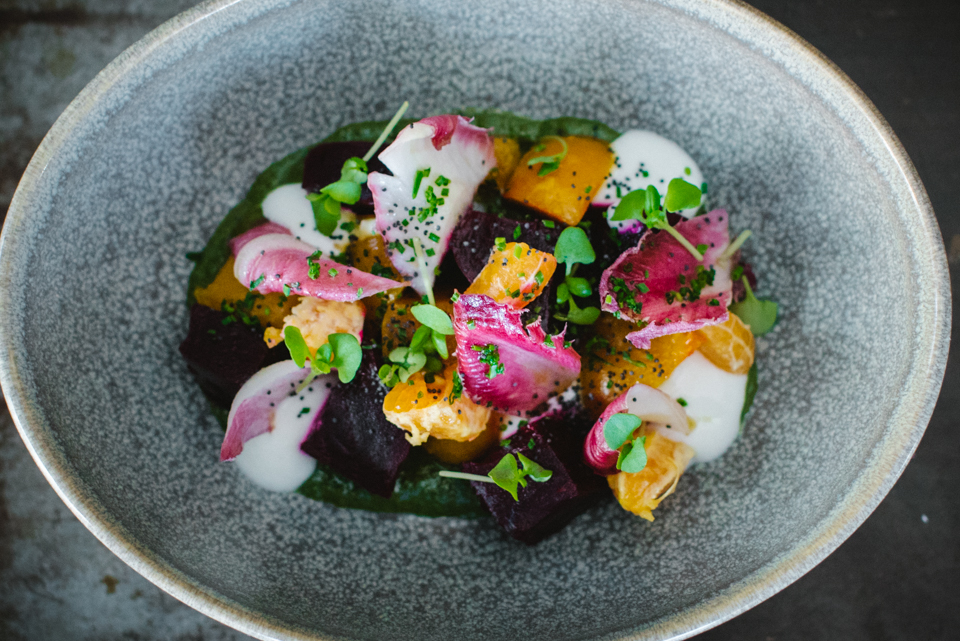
x,y
644,205
341,352
760,315
346,191
573,248
618,434
507,474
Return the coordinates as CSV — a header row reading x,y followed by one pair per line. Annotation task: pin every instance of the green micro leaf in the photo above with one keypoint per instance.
x,y
344,191
631,206
563,293
585,316
434,318
421,338
534,470
354,170
578,286
760,315
346,355
299,351
634,458
573,246
507,475
619,428
681,195
326,213
440,344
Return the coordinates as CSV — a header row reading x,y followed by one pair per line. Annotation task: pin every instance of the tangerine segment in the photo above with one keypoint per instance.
x,y
641,492
729,345
507,153
454,452
269,309
317,319
564,193
429,409
399,325
612,364
514,275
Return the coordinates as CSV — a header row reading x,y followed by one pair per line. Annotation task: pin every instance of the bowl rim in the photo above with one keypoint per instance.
x,y
880,472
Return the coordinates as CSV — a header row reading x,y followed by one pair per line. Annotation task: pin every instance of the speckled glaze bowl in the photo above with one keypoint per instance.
x,y
145,162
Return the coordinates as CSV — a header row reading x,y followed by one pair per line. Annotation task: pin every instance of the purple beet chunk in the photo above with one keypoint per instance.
x,y
222,357
477,231
323,164
543,508
352,436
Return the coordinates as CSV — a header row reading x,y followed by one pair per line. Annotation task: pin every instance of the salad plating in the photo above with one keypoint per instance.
x,y
476,314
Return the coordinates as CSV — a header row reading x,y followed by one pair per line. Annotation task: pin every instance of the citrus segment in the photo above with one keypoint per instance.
x,y
729,345
514,275
641,492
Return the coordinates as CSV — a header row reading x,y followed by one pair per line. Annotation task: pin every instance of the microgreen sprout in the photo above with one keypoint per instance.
x,y
346,191
644,205
552,162
760,315
507,474
573,248
618,434
426,349
735,245
341,352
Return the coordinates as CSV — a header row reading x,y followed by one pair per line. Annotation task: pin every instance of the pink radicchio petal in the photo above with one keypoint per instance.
x,y
535,367
238,242
449,146
658,263
282,260
253,408
651,406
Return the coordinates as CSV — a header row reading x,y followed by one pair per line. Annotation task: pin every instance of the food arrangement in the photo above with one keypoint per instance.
x,y
476,314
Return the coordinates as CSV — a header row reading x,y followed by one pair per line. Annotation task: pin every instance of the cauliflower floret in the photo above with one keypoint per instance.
x,y
317,319
425,409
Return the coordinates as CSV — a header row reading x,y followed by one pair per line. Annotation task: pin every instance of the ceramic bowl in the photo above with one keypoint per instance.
x,y
144,163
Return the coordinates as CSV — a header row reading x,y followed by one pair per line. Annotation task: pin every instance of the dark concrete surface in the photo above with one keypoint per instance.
x,y
897,578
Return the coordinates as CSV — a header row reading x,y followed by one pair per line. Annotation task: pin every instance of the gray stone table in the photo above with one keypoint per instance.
x,y
897,578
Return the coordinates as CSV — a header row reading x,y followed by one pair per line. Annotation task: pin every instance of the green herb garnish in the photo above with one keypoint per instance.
x,y
617,432
644,205
507,474
760,315
490,356
341,352
549,163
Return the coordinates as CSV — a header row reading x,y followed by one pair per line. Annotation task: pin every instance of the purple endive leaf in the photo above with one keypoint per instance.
x,y
650,405
282,262
443,159
491,338
254,406
239,242
653,283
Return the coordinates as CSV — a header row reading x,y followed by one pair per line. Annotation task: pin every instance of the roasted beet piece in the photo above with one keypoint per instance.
x,y
222,357
475,235
543,508
352,436
323,164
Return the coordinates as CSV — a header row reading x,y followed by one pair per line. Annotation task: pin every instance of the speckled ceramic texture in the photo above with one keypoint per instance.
x,y
142,166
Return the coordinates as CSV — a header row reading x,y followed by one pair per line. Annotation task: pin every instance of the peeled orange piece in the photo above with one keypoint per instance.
x,y
613,365
507,153
514,275
564,193
641,492
728,345
428,409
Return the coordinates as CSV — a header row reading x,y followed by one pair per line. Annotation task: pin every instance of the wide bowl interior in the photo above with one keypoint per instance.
x,y
143,166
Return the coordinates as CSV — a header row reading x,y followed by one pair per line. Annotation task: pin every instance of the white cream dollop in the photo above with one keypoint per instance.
x,y
714,399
